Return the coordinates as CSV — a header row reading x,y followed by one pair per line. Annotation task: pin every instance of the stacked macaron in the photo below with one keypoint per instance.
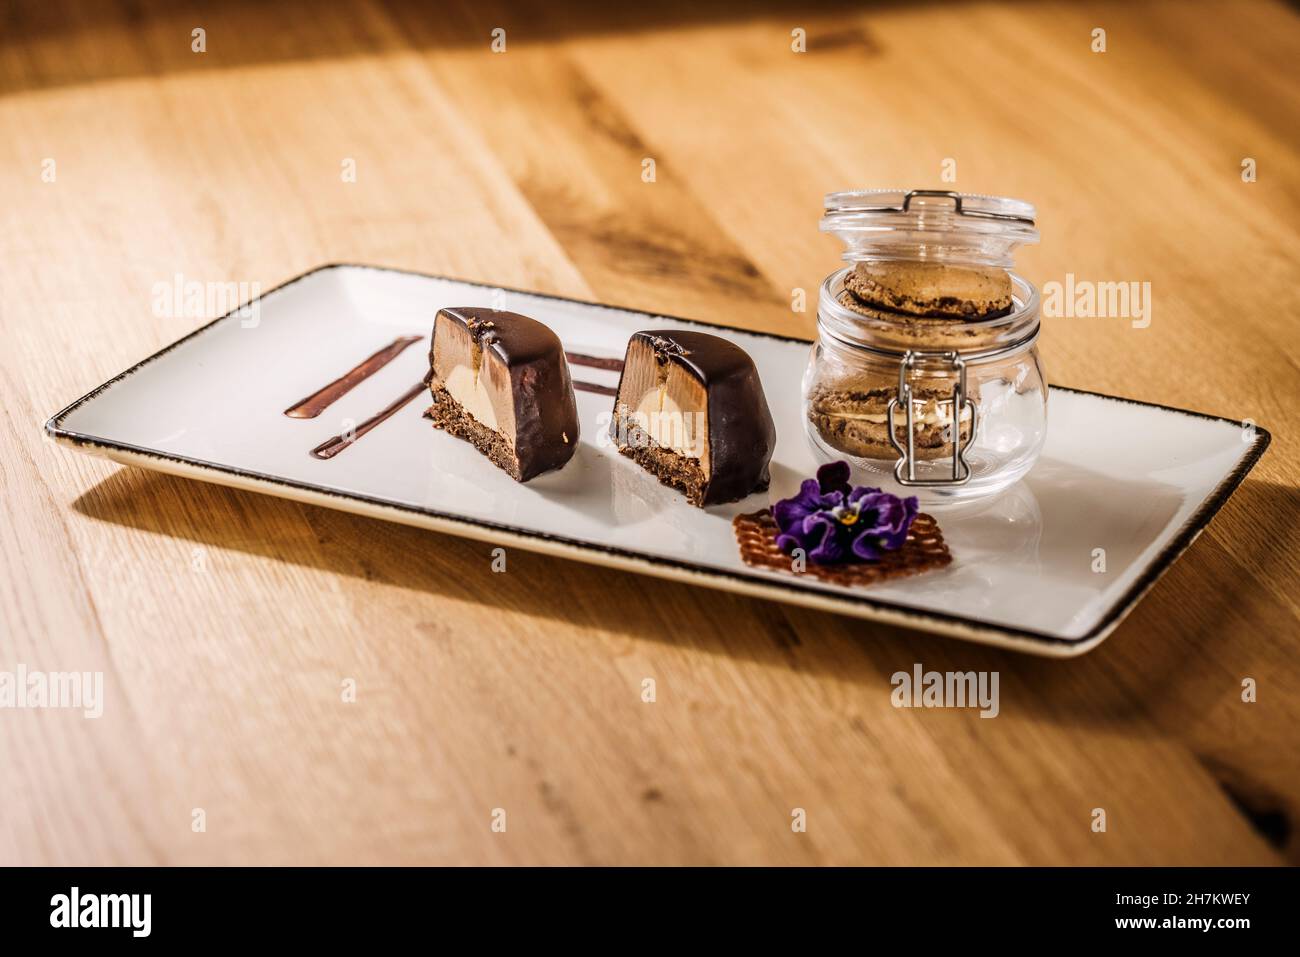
x,y
908,291
930,303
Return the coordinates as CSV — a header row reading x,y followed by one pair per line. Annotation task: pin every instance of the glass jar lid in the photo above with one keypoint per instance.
x,y
929,224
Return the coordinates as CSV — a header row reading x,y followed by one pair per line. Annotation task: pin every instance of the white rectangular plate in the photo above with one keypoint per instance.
x,y
1139,481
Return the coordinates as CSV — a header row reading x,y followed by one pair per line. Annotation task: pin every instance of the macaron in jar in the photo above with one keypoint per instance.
x,y
926,372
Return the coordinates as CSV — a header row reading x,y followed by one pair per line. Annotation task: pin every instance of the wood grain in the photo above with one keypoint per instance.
x,y
226,623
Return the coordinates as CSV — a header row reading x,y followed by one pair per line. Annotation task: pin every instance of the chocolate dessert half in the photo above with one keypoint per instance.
x,y
500,381
691,411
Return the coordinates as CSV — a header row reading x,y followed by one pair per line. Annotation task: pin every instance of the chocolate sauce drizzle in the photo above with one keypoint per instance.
x,y
594,362
319,401
332,447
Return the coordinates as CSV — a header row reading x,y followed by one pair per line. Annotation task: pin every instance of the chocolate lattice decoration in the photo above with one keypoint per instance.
x,y
923,551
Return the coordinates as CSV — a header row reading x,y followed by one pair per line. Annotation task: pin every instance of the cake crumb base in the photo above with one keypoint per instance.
x,y
450,416
671,468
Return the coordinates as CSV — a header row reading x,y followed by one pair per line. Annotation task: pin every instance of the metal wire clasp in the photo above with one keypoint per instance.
x,y
907,456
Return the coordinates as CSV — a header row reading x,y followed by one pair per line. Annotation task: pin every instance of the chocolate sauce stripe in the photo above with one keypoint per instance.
x,y
603,363
317,402
594,362
321,399
332,447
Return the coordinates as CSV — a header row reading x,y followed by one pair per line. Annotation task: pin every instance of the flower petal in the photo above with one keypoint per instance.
x,y
861,492
788,543
823,544
790,511
834,477
866,547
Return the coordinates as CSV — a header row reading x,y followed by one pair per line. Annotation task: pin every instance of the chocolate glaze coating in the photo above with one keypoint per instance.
x,y
742,435
546,412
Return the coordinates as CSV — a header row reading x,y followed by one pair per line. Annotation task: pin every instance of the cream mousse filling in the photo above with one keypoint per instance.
x,y
663,401
468,388
668,425
476,379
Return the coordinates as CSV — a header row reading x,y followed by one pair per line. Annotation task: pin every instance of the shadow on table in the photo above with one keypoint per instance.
x,y
66,41
1141,663
1165,668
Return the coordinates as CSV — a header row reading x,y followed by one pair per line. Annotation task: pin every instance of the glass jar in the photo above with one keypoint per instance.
x,y
928,327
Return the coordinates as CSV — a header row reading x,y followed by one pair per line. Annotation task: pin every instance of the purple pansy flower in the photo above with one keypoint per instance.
x,y
834,522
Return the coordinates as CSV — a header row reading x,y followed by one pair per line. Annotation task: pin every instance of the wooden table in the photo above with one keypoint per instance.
x,y
227,623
